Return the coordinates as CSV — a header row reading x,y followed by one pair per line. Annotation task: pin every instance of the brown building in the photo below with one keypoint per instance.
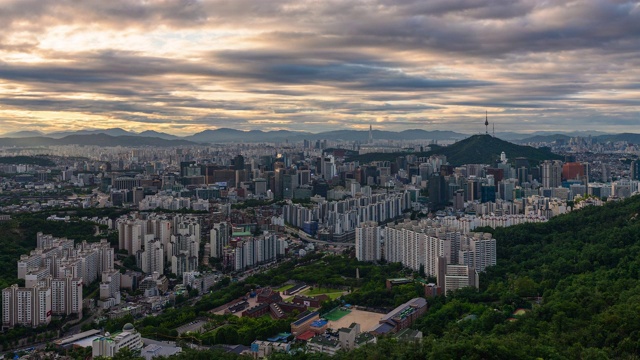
x,y
310,301
304,323
401,317
572,171
267,295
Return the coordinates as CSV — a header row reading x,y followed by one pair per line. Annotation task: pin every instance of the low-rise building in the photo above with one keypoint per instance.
x,y
401,317
324,344
261,349
109,344
304,323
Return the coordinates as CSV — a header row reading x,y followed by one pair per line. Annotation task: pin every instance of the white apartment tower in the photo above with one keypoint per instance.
x,y
152,258
26,306
66,295
219,238
368,236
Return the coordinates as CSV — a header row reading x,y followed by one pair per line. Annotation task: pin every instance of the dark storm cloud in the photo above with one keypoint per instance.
x,y
250,63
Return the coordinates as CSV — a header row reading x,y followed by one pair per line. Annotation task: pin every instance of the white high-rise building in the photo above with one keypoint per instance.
x,y
328,167
152,258
417,245
110,285
478,251
26,306
551,174
66,295
131,234
219,238
368,237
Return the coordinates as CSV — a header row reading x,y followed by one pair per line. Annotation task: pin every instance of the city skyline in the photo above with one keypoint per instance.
x,y
187,66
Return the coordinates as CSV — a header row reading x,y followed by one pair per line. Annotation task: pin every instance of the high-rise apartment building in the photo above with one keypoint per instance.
x,y
66,295
368,241
26,306
219,238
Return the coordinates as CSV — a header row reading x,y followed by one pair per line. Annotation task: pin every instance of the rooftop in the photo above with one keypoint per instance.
x,y
76,337
325,341
305,336
306,318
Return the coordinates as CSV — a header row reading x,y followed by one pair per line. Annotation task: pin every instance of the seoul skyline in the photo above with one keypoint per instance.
x,y
182,67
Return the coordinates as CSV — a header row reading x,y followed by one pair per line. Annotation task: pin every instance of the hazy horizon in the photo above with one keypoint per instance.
x,y
301,131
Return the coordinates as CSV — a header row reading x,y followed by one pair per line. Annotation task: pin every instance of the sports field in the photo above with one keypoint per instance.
x,y
336,314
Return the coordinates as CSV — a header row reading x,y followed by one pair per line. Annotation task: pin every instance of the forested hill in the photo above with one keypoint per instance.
x,y
476,149
585,267
486,149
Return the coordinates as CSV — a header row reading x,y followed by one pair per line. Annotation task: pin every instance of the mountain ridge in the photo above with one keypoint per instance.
x,y
95,140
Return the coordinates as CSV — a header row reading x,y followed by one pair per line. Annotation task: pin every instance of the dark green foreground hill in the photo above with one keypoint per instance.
x,y
585,266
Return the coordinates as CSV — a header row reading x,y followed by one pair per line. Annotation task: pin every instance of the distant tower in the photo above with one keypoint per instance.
x,y
370,133
486,123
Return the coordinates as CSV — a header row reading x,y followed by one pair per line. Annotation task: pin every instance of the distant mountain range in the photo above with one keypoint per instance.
x,y
225,135
511,136
628,137
93,139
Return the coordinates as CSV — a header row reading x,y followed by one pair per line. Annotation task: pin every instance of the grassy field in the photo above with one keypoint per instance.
x,y
285,287
336,314
317,291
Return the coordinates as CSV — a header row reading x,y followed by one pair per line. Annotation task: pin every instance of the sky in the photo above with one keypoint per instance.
x,y
185,66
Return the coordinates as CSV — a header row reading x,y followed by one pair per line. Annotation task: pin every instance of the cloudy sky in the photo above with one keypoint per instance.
x,y
186,66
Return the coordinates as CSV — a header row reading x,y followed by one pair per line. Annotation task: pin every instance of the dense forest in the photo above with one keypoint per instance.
x,y
27,160
476,149
18,237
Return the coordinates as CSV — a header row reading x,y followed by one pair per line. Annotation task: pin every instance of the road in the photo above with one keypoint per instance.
x,y
305,237
194,326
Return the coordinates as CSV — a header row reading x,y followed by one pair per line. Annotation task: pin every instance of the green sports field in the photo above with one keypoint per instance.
x,y
336,314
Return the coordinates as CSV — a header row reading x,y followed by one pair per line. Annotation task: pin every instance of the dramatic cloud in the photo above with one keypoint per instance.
x,y
186,66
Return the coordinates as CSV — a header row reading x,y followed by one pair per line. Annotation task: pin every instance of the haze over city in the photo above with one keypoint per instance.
x,y
185,66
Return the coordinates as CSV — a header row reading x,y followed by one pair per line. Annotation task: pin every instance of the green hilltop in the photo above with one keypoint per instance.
x,y
486,149
476,149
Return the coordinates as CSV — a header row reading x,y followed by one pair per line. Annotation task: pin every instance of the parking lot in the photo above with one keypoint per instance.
x,y
195,326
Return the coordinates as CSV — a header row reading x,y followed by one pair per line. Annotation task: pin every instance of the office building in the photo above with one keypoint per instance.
x,y
551,174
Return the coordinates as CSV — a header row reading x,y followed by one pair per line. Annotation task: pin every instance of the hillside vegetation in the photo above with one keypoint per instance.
x,y
476,149
18,237
486,149
584,266
27,160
